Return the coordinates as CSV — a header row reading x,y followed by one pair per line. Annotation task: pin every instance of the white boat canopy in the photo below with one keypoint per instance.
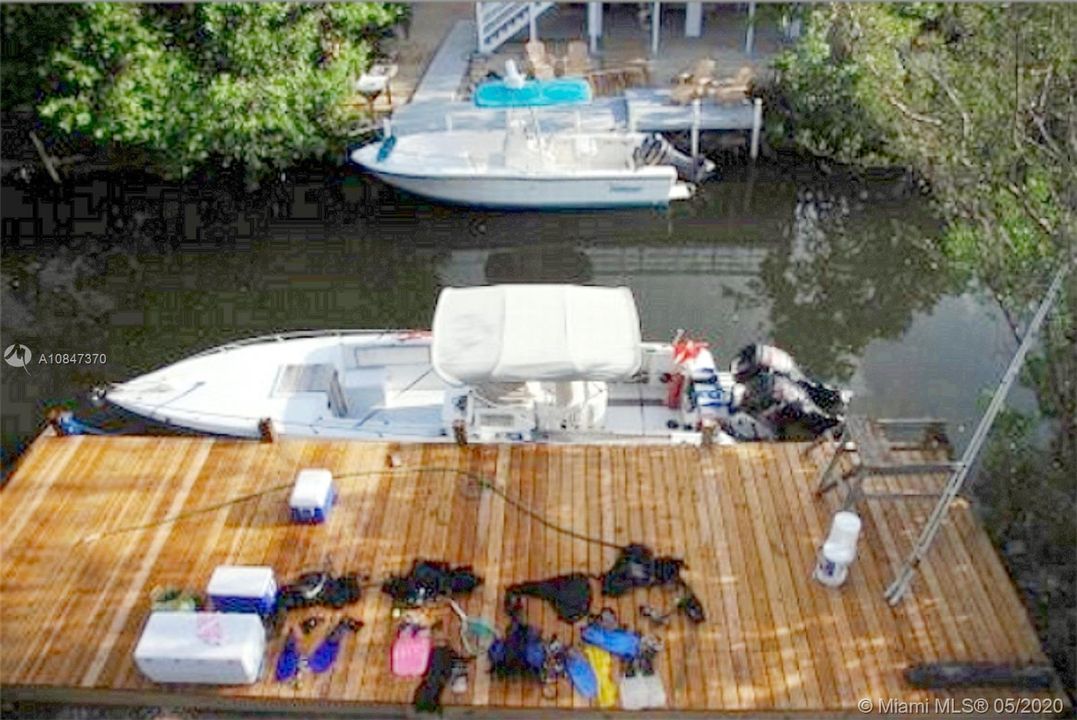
x,y
521,333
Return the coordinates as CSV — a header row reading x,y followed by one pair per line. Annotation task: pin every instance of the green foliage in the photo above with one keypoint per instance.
x,y
28,34
259,84
978,99
981,101
829,89
1029,507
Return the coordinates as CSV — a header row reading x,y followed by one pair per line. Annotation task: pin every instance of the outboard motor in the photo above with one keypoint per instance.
x,y
756,359
656,150
785,405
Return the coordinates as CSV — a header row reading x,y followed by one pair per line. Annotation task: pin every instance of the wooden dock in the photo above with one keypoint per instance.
x,y
75,591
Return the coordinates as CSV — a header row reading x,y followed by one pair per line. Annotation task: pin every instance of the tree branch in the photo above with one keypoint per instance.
x,y
966,122
1045,226
912,114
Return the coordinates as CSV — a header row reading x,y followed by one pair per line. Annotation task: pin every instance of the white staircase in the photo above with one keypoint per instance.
x,y
498,21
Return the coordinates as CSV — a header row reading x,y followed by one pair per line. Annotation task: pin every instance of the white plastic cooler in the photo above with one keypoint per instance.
x,y
198,647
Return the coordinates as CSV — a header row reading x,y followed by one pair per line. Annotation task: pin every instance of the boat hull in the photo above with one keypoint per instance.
x,y
381,387
540,192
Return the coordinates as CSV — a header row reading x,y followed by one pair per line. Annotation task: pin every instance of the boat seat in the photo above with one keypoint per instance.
x,y
366,357
366,386
312,378
577,405
366,377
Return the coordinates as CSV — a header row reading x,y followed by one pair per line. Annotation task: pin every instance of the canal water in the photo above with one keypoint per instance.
x,y
115,275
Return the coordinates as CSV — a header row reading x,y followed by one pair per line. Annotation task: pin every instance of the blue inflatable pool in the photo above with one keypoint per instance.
x,y
534,93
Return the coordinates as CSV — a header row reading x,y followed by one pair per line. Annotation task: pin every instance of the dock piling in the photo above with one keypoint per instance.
x,y
757,126
696,116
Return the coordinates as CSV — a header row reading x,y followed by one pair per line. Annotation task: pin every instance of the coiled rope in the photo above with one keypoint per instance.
x,y
475,484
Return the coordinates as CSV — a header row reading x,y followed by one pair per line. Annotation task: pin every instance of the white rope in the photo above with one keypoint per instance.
x,y
901,582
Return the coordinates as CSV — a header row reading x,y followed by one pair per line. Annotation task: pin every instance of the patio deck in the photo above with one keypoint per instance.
x,y
744,517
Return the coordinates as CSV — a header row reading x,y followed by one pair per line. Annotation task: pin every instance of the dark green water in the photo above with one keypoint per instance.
x,y
842,273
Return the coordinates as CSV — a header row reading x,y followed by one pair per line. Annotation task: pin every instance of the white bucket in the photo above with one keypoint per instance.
x,y
839,550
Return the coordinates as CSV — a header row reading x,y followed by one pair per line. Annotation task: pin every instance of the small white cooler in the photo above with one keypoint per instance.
x,y
312,496
243,589
198,647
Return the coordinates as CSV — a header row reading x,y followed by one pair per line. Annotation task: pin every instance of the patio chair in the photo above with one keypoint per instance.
x,y
693,84
539,63
577,61
734,88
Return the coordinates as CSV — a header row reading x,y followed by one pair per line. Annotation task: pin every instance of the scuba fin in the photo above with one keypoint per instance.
x,y
624,644
427,697
581,673
410,654
326,653
602,663
288,660
639,692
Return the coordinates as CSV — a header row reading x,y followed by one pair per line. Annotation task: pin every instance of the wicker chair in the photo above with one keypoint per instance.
x,y
577,60
693,84
539,64
732,89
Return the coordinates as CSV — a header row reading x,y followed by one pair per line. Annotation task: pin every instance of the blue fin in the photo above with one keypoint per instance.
x,y
325,654
288,660
622,643
581,674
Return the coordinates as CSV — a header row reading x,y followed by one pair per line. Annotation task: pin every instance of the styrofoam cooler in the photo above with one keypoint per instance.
x,y
243,589
200,647
839,550
312,496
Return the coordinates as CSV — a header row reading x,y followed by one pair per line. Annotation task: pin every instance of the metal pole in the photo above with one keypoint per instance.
x,y
696,110
656,25
480,11
532,26
749,35
693,19
594,24
757,125
900,585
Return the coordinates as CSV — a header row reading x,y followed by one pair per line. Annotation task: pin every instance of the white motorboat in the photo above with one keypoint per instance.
x,y
503,363
516,168
520,166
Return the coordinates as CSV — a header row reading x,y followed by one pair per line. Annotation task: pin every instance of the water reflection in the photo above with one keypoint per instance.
x,y
149,272
852,273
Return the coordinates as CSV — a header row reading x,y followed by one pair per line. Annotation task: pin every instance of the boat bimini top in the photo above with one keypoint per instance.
x,y
523,333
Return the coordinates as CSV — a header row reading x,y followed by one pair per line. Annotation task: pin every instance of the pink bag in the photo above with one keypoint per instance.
x,y
410,654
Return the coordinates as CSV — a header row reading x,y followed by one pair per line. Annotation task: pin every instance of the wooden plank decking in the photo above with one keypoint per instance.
x,y
743,517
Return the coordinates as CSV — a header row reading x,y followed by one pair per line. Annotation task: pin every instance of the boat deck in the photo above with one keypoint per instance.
x,y
75,584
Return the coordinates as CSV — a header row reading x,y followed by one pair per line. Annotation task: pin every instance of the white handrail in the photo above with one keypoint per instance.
x,y
298,335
